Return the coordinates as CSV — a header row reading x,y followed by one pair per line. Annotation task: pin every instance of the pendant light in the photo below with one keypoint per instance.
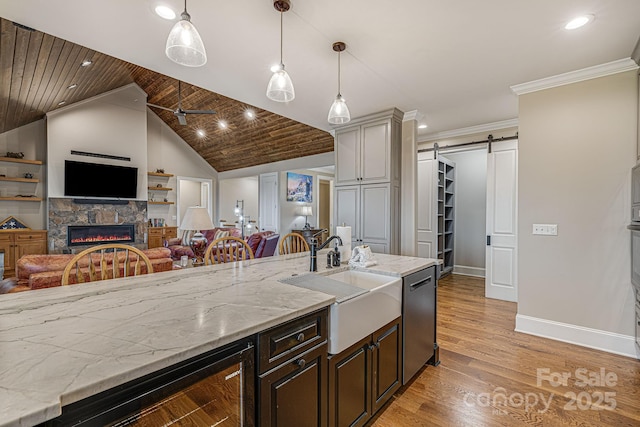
x,y
280,87
339,112
184,45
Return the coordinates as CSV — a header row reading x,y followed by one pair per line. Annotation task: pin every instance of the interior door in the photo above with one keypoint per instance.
x,y
269,202
502,203
427,200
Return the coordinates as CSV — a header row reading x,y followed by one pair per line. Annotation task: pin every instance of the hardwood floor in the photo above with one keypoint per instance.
x,y
488,375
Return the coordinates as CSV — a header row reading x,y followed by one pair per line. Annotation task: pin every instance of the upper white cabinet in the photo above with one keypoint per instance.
x,y
366,150
367,193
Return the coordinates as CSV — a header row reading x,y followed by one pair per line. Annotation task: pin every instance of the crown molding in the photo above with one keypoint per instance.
x,y
412,115
602,70
487,127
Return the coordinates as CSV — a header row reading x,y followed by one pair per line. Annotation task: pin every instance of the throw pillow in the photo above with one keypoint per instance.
x,y
220,234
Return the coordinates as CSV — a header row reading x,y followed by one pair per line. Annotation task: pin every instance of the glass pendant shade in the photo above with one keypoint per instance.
x,y
339,112
184,45
280,87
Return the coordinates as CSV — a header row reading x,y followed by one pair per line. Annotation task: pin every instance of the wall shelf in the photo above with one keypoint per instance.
x,y
160,203
21,199
23,161
165,175
160,189
8,178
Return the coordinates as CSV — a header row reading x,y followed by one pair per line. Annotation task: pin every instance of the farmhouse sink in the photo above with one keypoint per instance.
x,y
353,319
365,302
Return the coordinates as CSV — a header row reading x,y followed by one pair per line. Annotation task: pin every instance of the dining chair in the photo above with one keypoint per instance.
x,y
293,243
227,249
104,262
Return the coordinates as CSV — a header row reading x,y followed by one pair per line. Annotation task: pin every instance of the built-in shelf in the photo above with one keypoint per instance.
x,y
160,189
23,161
166,175
8,178
21,199
160,203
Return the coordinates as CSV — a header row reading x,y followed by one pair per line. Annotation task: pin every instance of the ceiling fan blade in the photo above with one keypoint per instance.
x,y
182,119
199,111
159,106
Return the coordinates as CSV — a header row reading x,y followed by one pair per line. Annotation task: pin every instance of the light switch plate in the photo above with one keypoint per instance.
x,y
545,229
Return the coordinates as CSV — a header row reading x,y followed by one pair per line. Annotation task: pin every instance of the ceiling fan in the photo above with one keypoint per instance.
x,y
179,112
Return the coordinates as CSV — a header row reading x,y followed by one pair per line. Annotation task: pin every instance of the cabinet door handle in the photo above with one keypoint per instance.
x,y
300,363
300,337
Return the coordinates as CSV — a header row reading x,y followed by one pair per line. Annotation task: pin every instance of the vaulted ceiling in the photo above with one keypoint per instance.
x,y
37,71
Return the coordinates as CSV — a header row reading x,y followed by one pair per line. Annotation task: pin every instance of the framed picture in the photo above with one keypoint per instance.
x,y
299,187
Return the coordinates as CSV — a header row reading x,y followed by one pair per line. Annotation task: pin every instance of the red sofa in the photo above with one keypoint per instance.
x,y
256,241
45,271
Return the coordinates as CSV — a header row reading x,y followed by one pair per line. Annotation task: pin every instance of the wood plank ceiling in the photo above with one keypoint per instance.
x,y
37,71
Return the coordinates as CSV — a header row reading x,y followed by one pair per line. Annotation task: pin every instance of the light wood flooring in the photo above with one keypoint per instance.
x,y
487,370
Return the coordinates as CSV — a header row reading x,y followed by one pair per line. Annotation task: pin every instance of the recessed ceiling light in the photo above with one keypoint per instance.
x,y
422,126
62,102
165,12
86,63
72,86
579,22
222,124
249,114
200,133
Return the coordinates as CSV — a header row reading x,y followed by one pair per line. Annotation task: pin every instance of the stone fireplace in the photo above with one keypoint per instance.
x,y
78,220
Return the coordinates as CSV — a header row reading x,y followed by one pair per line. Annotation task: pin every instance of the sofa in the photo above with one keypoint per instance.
x,y
45,271
256,241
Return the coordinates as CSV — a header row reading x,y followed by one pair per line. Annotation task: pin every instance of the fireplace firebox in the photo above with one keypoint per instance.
x,y
96,234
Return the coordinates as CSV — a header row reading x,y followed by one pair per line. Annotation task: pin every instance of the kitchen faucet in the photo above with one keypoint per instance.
x,y
313,246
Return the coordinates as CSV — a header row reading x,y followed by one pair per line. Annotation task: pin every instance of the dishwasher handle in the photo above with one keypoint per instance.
x,y
419,284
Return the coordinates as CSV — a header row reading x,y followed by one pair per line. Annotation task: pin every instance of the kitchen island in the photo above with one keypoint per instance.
x,y
61,345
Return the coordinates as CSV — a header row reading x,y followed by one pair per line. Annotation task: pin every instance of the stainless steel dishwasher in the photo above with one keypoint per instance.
x,y
418,321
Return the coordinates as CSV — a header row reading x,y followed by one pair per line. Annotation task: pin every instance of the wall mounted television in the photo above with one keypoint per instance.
x,y
99,180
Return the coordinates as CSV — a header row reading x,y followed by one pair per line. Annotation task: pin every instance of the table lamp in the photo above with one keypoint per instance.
x,y
306,211
197,219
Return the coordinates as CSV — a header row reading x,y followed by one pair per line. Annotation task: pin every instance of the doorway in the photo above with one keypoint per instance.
x,y
193,192
482,180
325,204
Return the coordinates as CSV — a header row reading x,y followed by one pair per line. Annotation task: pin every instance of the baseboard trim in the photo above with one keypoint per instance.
x,y
610,342
468,271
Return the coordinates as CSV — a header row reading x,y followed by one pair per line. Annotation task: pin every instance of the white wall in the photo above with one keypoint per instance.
x,y
190,195
576,149
289,220
114,123
234,189
30,139
470,208
166,150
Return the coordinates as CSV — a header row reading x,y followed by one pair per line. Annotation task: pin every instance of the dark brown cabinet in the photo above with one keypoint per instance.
x,y
363,377
292,368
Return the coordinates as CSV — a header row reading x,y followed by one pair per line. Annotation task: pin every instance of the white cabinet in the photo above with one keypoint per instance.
x,y
364,152
367,208
367,182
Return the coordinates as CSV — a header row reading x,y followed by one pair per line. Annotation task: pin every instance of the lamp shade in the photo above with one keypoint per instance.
x,y
304,210
196,218
339,112
280,86
184,45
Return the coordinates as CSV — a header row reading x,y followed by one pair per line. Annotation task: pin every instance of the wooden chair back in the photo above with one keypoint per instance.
x,y
227,249
293,243
108,258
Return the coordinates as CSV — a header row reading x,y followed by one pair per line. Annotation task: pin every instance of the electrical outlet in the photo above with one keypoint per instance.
x,y
174,217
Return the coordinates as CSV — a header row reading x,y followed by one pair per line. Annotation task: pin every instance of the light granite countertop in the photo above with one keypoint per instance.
x,y
60,345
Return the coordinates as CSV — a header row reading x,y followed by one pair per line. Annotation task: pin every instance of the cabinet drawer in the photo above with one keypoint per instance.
x,y
278,344
5,237
28,237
